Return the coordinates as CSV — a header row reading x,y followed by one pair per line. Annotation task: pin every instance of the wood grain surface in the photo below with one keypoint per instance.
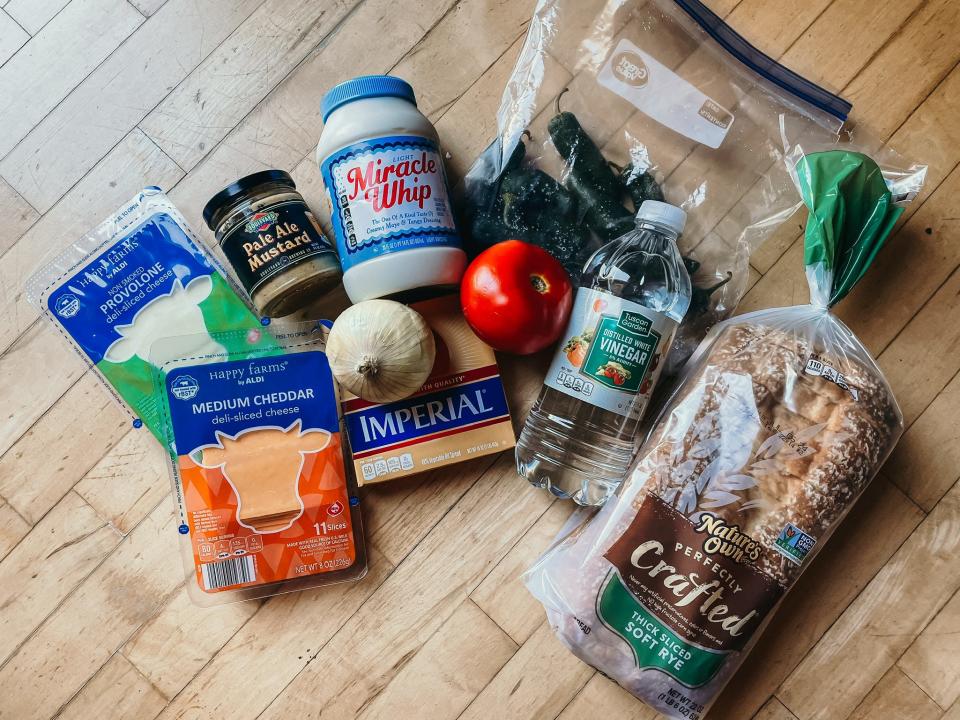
x,y
102,97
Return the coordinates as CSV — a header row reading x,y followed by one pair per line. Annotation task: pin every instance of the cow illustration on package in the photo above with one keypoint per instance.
x,y
180,308
263,466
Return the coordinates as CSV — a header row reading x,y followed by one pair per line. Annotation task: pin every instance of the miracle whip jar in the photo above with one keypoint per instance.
x,y
390,203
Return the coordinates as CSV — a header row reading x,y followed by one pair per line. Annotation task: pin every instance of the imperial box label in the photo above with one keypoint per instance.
x,y
460,412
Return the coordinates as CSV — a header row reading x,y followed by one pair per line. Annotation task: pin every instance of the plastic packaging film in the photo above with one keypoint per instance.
x,y
780,420
680,107
126,283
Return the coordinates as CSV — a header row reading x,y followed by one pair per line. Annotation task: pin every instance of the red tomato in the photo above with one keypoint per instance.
x,y
516,297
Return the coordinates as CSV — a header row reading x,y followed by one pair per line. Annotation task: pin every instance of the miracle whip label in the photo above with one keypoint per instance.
x,y
387,195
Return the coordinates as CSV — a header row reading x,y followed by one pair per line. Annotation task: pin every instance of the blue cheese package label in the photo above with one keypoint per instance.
x,y
232,397
137,278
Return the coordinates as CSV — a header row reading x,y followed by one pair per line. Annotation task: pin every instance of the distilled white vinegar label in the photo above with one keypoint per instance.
x,y
612,353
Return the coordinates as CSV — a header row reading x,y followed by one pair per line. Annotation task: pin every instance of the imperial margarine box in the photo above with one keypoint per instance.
x,y
460,412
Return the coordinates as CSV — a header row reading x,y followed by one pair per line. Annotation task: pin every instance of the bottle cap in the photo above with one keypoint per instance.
x,y
365,86
240,188
663,214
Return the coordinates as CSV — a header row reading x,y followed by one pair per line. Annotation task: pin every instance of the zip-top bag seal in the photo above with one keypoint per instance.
x,y
780,421
264,498
613,104
141,275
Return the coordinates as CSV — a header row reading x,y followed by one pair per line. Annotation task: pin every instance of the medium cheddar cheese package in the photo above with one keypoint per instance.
x,y
265,502
458,414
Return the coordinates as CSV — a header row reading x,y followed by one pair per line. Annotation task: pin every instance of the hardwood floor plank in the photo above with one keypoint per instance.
x,y
538,682
896,696
83,632
118,692
110,102
285,636
12,528
397,515
283,128
825,49
12,37
438,82
176,643
866,540
210,102
18,215
131,165
926,461
882,622
128,481
47,565
931,662
32,15
54,62
42,384
460,658
924,47
925,356
148,7
398,618
502,594
603,698
34,475
774,710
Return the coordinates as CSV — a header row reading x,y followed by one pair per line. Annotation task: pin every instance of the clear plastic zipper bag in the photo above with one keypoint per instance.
x,y
780,420
614,103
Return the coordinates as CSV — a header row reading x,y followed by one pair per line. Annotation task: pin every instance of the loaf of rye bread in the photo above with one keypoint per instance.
x,y
754,436
814,449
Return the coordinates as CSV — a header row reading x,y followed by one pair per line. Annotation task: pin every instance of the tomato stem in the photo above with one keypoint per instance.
x,y
539,283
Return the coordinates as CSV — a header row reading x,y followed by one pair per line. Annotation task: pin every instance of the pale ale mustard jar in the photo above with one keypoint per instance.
x,y
273,242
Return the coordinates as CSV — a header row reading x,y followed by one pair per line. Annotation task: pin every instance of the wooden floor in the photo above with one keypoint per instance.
x,y
101,97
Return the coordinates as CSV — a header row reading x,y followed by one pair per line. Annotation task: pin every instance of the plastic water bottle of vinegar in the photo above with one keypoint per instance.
x,y
580,435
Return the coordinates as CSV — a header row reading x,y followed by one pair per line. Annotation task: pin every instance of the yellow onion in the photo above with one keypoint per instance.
x,y
381,350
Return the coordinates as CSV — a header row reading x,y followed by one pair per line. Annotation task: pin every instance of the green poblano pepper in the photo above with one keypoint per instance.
x,y
640,185
528,193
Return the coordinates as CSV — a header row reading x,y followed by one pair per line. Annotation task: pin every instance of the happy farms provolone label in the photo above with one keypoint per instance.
x,y
611,353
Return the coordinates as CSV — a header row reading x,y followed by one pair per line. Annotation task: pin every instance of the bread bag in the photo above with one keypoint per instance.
x,y
780,421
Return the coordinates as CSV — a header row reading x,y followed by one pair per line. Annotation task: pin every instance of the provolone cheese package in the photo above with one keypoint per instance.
x,y
139,276
265,502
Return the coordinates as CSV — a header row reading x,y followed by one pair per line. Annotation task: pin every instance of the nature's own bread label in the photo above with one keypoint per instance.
x,y
684,594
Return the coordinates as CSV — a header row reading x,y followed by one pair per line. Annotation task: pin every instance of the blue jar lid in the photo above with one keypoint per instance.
x,y
365,86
